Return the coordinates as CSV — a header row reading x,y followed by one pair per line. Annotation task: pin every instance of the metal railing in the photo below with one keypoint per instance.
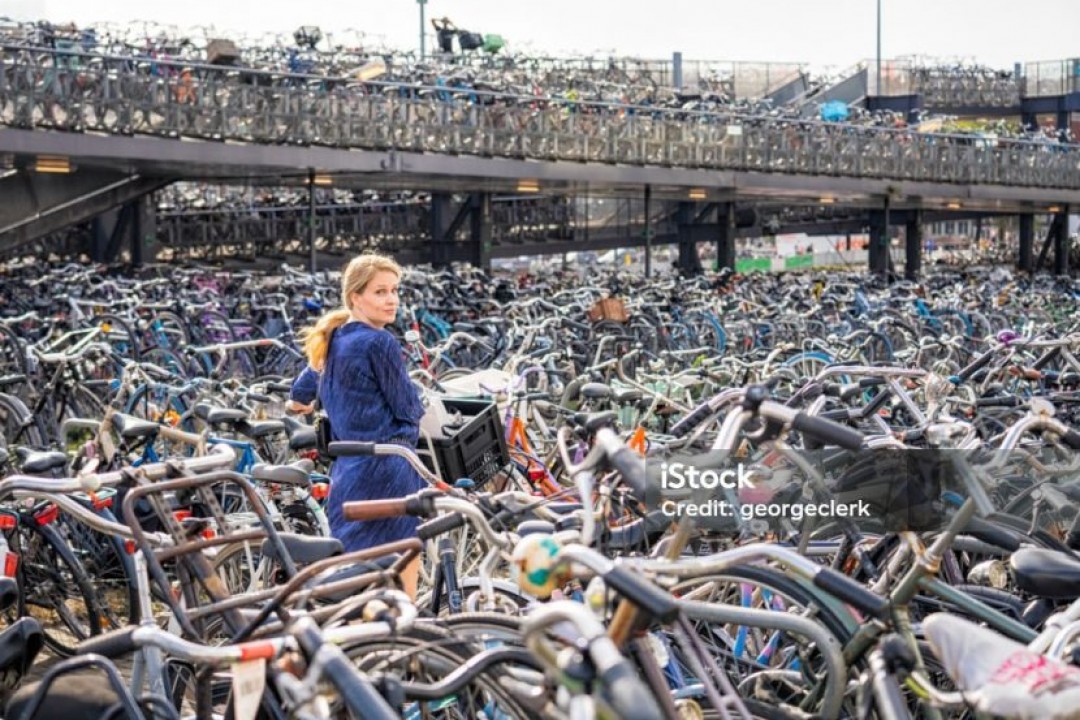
x,y
1054,77
80,92
275,231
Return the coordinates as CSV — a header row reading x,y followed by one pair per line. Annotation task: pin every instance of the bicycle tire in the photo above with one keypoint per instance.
x,y
429,647
40,549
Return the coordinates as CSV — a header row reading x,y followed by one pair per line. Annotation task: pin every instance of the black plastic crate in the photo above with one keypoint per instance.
x,y
477,450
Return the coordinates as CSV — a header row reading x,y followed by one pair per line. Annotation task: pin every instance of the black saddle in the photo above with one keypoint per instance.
x,y
1046,573
302,549
130,427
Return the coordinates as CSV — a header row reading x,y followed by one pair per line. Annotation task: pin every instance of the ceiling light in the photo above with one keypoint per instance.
x,y
953,205
528,186
826,200
52,164
322,179
1054,209
697,194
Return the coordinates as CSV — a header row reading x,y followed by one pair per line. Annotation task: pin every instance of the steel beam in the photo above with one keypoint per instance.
x,y
38,205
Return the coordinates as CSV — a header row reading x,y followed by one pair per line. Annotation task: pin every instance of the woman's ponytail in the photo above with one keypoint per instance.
x,y
317,338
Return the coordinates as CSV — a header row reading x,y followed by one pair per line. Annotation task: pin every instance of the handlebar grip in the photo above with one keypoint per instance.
x,y
279,387
628,696
828,432
852,593
374,509
1072,439
259,397
691,421
632,468
113,644
350,448
440,526
655,601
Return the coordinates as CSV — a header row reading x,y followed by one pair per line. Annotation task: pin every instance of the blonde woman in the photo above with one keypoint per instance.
x,y
356,368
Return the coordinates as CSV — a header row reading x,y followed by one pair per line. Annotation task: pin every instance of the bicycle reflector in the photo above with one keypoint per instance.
x,y
47,514
320,490
8,522
9,561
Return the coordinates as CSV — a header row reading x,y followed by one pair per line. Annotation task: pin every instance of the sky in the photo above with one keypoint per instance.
x,y
820,33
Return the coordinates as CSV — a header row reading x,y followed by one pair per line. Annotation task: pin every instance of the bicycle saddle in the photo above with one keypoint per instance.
x,y
594,421
626,395
83,694
1046,573
39,462
1000,676
301,436
20,644
302,549
131,427
293,474
219,415
595,391
262,428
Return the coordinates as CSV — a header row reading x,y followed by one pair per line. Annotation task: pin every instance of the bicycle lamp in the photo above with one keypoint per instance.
x,y
989,573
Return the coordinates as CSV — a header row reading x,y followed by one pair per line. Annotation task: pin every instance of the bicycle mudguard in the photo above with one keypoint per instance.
x,y
1001,677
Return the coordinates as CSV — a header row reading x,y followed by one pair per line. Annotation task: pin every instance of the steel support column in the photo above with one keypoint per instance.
x,y
99,239
439,220
480,236
1061,243
725,237
136,239
1026,259
879,240
648,231
689,263
913,239
312,263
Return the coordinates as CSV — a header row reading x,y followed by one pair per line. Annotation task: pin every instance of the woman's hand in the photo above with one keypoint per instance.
x,y
295,407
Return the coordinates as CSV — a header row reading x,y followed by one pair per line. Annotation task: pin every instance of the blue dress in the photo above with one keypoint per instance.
x,y
368,396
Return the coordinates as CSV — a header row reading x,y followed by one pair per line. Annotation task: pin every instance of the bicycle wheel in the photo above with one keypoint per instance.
x,y
18,426
55,588
427,654
105,562
12,359
767,658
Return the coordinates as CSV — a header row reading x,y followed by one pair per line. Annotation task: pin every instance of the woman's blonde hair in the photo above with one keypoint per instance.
x,y
358,273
